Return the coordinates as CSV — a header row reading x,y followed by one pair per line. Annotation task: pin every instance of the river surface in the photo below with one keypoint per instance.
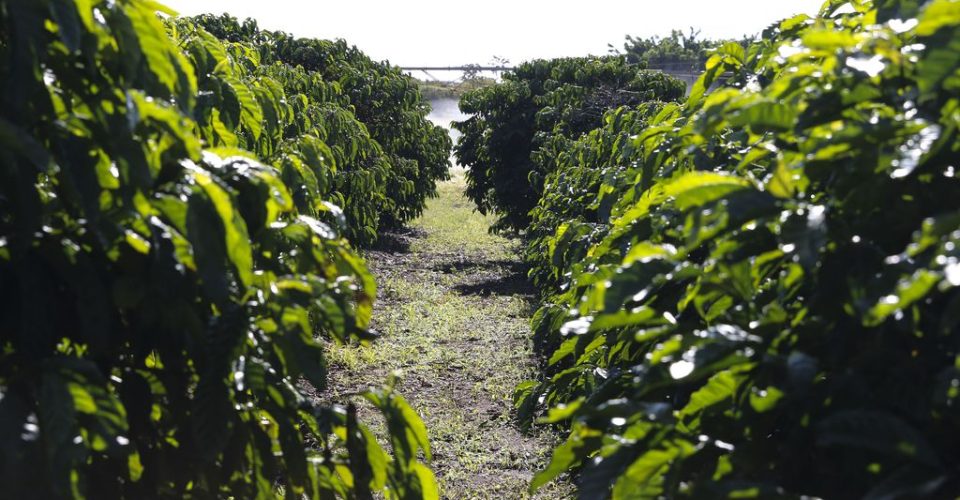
x,y
446,110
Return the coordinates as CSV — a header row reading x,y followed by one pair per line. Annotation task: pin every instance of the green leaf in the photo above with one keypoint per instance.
x,y
367,461
909,290
766,117
699,188
937,15
83,401
719,388
651,463
829,39
938,64
251,114
165,63
415,424
572,452
562,412
784,182
67,15
640,316
732,50
429,489
235,230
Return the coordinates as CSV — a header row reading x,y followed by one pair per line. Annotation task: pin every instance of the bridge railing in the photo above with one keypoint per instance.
x,y
686,69
457,68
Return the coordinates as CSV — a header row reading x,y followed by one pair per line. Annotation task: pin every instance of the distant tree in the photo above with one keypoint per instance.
x,y
231,29
471,72
677,47
517,125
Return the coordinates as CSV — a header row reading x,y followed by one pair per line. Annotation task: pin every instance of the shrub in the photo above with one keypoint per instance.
x,y
386,101
162,289
538,104
759,299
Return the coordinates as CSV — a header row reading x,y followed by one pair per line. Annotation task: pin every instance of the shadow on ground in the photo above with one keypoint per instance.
x,y
483,277
475,263
397,241
506,285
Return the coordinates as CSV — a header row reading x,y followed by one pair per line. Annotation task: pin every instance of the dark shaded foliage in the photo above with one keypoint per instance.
x,y
678,51
754,294
387,102
168,259
538,105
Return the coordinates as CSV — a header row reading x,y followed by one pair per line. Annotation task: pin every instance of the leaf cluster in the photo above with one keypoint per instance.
x,y
753,294
508,143
169,256
385,101
679,50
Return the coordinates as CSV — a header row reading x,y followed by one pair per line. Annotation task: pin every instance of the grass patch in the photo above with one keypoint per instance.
x,y
452,224
453,311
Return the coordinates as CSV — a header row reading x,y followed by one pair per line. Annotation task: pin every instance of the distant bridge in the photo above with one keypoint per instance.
x,y
686,71
458,68
427,69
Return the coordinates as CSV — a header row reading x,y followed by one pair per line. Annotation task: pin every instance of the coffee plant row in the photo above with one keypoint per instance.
x,y
171,247
753,294
542,104
412,154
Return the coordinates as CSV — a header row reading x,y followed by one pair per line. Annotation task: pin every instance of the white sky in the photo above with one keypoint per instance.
x,y
443,33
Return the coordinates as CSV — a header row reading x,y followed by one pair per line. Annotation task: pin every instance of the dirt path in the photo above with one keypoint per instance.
x,y
453,308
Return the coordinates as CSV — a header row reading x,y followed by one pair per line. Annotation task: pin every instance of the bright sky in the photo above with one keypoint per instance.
x,y
444,32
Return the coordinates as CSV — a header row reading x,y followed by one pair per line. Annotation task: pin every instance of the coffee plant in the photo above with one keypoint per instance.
x,y
753,294
387,102
516,126
679,51
294,119
570,197
169,254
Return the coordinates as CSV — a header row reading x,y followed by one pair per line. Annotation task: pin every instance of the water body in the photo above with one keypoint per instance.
x,y
445,111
